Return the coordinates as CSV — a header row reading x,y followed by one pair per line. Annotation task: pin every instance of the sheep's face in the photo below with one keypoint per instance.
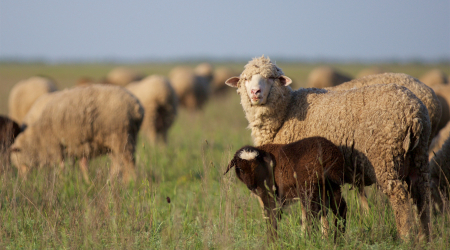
x,y
258,87
19,154
251,166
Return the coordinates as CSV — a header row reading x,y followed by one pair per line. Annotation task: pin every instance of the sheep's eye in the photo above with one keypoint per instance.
x,y
239,169
272,78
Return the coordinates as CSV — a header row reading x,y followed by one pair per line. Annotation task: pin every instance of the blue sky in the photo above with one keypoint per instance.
x,y
169,30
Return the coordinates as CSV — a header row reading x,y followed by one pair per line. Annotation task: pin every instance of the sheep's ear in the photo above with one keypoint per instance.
x,y
268,159
285,81
233,81
232,163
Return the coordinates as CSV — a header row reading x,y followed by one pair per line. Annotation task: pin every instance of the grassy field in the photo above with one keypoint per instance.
x,y
54,208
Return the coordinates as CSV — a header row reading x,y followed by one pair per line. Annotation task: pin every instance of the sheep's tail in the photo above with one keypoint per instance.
x,y
413,134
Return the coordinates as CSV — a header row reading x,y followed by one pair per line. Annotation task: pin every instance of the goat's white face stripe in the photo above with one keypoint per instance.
x,y
258,89
248,155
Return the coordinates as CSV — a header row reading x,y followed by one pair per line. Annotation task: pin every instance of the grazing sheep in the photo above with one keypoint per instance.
x,y
370,71
299,170
9,130
383,131
205,70
36,110
83,122
160,104
25,93
434,77
439,140
192,90
221,74
122,76
322,77
422,91
440,174
443,94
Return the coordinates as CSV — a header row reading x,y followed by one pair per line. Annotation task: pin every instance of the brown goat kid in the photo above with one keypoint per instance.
x,y
299,170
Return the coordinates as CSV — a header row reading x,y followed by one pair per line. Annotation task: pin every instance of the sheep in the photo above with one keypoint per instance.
x,y
9,130
122,76
25,93
160,104
443,94
370,71
440,174
439,140
36,110
422,91
83,122
322,77
205,70
221,74
309,170
434,77
383,131
192,90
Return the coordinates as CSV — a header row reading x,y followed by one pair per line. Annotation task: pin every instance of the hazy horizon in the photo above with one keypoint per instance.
x,y
142,31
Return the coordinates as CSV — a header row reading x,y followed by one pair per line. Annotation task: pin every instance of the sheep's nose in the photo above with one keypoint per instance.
x,y
255,91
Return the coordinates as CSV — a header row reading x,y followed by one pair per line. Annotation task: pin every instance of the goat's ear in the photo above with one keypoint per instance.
x,y
285,81
233,81
232,163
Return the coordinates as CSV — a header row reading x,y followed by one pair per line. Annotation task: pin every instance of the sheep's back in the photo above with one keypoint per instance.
x,y
85,119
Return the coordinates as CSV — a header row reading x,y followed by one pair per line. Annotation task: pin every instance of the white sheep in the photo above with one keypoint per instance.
x,y
434,77
25,93
382,130
122,76
83,122
160,104
325,76
422,91
193,90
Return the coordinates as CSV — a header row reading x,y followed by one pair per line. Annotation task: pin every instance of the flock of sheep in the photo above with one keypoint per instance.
x,y
387,129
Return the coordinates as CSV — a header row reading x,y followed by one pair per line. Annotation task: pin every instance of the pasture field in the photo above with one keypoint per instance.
x,y
55,208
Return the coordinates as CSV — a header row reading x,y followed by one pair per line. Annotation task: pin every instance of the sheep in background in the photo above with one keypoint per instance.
x,y
9,130
205,70
434,77
311,169
439,140
122,76
422,91
25,93
160,104
36,110
443,94
83,122
221,74
440,173
192,90
322,77
382,130
370,71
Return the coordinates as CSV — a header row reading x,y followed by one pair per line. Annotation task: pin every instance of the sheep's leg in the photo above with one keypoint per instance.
x,y
399,199
22,171
271,211
363,199
339,208
84,169
421,196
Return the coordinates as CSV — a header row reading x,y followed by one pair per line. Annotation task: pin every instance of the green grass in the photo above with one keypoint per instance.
x,y
54,208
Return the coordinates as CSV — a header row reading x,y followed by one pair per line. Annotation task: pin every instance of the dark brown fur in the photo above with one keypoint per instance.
x,y
9,130
300,170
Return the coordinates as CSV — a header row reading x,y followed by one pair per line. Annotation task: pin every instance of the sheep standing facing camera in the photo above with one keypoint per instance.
x,y
382,130
83,122
311,169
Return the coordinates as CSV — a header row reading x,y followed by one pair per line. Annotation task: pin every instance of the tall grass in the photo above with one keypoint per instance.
x,y
56,208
